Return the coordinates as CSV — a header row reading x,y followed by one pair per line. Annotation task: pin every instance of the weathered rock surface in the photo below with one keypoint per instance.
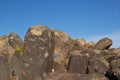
x,y
14,40
75,76
114,72
90,44
78,63
6,53
104,43
98,65
62,46
4,68
38,51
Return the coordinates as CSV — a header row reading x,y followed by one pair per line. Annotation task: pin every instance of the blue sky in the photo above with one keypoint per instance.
x,y
88,19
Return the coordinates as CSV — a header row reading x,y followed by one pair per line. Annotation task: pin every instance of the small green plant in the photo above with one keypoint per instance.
x,y
19,50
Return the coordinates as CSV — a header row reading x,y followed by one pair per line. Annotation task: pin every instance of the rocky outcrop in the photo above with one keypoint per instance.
x,y
48,54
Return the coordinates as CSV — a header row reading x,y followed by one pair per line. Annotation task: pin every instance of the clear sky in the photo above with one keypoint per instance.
x,y
88,19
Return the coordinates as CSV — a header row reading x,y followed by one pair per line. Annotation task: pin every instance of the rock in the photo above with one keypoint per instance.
x,y
76,45
17,65
4,42
61,35
14,40
104,43
38,52
90,44
110,54
75,76
6,53
4,68
114,71
81,43
78,63
62,47
58,68
98,65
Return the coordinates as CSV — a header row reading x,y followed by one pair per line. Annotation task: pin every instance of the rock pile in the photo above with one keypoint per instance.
x,y
48,54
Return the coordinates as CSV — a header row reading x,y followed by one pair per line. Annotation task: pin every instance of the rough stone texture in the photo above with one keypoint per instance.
x,y
4,68
82,43
3,42
59,68
78,63
38,52
114,71
62,46
6,53
76,45
90,44
75,76
14,40
98,65
17,67
104,43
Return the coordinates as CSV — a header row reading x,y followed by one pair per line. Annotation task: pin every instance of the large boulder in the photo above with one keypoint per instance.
x,y
62,46
98,65
95,61
78,63
104,43
38,52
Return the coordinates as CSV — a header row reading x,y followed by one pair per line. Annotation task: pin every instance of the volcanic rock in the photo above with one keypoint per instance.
x,y
104,43
75,76
78,63
38,52
14,40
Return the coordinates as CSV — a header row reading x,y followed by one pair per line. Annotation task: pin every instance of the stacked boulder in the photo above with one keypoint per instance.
x,y
48,54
